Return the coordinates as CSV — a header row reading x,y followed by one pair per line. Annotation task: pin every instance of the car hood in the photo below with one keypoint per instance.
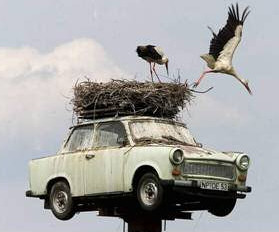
x,y
191,152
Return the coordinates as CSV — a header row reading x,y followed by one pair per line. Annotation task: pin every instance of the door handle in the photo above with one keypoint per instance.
x,y
89,156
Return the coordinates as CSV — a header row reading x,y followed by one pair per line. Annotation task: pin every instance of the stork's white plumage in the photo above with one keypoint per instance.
x,y
223,45
153,54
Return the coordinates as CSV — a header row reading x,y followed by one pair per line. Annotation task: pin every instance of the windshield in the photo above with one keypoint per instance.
x,y
160,132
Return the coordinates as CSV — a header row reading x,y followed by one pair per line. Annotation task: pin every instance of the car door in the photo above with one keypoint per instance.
x,y
71,162
104,171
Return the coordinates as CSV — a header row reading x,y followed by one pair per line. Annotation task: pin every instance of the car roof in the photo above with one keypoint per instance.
x,y
125,118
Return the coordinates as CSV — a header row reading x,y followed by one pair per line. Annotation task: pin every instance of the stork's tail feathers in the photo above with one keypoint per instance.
x,y
209,59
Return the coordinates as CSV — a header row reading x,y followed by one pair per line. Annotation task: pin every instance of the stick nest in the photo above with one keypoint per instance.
x,y
94,100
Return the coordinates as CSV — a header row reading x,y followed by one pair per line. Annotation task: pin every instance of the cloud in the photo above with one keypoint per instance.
x,y
36,88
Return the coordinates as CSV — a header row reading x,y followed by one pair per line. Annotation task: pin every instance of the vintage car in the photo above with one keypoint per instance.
x,y
154,162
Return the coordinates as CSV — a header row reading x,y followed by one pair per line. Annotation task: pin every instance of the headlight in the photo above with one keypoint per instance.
x,y
243,162
177,156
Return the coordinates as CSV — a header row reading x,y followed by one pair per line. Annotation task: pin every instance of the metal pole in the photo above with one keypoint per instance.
x,y
124,224
144,224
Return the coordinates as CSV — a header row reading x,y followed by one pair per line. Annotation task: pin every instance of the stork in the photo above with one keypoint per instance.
x,y
153,54
223,45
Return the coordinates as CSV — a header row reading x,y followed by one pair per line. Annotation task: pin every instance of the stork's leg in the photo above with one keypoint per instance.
x,y
155,72
201,77
151,71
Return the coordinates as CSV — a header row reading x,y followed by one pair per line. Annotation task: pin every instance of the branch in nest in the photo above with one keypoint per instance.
x,y
124,97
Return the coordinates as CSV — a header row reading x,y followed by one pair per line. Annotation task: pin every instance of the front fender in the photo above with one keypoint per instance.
x,y
158,160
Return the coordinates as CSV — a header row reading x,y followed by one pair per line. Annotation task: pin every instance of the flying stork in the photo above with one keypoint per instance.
x,y
223,45
153,54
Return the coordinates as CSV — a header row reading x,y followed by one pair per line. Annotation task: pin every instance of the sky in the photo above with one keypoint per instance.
x,y
47,46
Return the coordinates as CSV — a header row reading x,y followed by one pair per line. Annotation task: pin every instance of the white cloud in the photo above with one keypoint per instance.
x,y
34,85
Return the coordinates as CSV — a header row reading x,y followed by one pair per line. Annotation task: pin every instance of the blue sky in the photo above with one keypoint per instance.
x,y
45,46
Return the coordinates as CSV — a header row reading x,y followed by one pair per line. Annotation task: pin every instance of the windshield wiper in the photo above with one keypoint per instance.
x,y
169,137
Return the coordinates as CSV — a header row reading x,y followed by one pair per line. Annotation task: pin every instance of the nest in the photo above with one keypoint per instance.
x,y
123,97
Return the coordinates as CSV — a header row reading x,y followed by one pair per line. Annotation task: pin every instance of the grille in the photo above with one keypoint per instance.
x,y
216,170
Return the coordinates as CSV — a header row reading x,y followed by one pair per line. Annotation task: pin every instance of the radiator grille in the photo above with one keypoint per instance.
x,y
216,170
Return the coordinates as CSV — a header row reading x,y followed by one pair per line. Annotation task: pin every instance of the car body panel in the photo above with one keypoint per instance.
x,y
102,170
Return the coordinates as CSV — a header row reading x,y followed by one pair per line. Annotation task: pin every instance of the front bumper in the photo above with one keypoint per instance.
x,y
29,193
193,188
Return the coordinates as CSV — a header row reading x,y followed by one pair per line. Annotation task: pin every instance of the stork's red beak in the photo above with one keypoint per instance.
x,y
167,67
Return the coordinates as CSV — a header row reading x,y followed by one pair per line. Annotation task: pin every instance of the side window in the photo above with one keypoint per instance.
x,y
81,138
110,134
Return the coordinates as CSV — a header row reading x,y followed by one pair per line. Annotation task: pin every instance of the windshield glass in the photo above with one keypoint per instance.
x,y
161,131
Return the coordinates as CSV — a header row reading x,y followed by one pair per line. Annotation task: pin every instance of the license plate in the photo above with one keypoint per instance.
x,y
212,185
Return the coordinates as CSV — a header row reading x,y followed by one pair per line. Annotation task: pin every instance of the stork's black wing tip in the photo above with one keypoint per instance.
x,y
245,13
234,13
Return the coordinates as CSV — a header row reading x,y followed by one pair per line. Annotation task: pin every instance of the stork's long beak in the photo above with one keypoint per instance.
x,y
167,67
248,89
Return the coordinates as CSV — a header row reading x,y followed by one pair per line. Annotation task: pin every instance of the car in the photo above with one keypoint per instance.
x,y
146,161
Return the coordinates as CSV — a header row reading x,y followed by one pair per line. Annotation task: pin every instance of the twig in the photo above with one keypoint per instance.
x,y
92,99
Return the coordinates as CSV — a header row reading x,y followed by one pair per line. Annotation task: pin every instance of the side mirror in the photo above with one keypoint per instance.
x,y
199,145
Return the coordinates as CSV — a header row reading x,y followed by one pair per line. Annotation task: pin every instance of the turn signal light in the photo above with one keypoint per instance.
x,y
176,172
242,178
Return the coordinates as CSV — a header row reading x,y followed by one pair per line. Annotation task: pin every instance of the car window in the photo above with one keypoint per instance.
x,y
110,134
81,138
160,130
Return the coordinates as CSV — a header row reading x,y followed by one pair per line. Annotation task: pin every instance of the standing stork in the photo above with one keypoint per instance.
x,y
153,54
223,45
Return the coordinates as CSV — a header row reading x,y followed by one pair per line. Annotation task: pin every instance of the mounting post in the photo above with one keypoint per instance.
x,y
141,221
144,224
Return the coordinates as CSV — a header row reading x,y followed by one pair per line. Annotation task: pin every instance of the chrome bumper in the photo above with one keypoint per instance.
x,y
196,184
193,188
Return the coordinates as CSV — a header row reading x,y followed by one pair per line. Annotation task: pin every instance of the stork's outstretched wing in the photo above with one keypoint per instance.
x,y
224,44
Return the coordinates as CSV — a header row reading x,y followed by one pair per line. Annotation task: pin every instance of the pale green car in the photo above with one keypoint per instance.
x,y
146,162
